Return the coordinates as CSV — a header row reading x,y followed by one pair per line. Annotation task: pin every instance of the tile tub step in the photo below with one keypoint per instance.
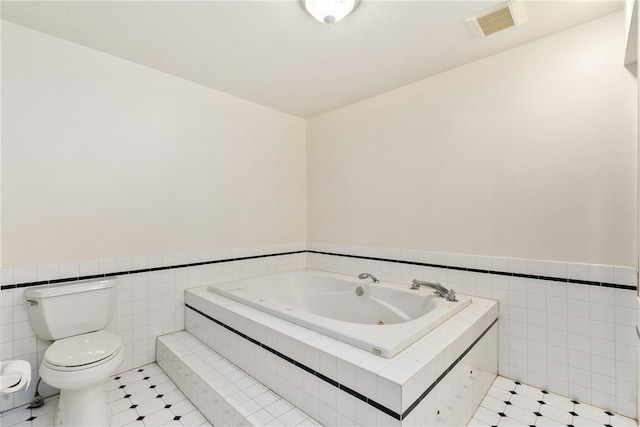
x,y
224,394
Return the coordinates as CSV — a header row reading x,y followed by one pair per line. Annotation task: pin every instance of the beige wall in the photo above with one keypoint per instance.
x,y
530,153
0,144
103,158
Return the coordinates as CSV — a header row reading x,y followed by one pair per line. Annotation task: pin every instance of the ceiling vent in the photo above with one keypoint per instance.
x,y
499,18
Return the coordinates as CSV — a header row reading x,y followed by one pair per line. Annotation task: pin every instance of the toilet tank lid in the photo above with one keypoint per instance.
x,y
57,289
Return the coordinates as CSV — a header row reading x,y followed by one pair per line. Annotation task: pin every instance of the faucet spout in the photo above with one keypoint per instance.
x,y
448,294
368,276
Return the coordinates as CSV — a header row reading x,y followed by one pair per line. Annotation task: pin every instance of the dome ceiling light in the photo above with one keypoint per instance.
x,y
329,11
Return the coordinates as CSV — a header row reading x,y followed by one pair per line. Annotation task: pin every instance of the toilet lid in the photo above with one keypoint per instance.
x,y
83,349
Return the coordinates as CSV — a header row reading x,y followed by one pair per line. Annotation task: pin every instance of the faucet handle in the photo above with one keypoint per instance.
x,y
452,296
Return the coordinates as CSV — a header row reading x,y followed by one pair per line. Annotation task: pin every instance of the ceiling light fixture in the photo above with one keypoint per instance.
x,y
329,11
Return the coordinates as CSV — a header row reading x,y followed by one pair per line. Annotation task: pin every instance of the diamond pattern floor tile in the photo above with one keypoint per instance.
x,y
510,403
147,397
136,398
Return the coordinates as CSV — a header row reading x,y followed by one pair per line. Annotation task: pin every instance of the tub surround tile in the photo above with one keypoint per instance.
x,y
564,281
241,401
354,377
584,274
553,317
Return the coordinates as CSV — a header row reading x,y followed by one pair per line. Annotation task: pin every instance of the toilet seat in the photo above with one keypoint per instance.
x,y
82,351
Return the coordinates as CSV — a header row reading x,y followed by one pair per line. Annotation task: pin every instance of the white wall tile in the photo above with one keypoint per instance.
x,y
626,298
556,289
602,330
535,267
24,346
602,273
6,315
557,322
602,312
124,264
579,271
602,295
6,334
557,269
88,268
107,265
536,302
626,335
558,355
22,330
21,311
578,292
25,274
6,276
578,308
563,309
48,271
577,317
625,276
556,305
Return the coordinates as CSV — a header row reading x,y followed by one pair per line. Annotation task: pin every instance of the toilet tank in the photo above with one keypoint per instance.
x,y
64,310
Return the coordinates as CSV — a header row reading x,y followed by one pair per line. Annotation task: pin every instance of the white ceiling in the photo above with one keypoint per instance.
x,y
274,54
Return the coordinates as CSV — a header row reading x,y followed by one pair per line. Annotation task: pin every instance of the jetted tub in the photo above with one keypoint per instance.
x,y
382,318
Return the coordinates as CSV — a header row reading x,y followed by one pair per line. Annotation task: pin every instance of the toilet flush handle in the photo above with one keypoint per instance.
x,y
32,302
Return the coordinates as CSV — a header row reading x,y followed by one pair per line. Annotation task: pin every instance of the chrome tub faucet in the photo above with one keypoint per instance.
x,y
449,295
367,276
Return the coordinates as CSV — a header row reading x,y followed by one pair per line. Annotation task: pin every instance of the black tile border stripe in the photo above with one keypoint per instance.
x,y
146,270
343,387
479,270
449,369
368,258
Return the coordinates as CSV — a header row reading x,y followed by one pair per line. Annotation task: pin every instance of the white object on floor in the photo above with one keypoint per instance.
x,y
14,375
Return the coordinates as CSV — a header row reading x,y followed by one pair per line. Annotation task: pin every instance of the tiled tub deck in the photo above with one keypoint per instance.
x,y
439,380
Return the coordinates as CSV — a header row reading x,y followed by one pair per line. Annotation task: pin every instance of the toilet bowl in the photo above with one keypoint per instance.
x,y
79,366
83,355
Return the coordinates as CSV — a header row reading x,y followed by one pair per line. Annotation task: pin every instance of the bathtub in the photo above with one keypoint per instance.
x,y
382,318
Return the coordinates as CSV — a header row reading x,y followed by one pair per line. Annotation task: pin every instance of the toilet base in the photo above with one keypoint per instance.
x,y
84,407
83,393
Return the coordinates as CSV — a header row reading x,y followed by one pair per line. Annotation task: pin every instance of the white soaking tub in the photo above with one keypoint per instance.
x,y
381,318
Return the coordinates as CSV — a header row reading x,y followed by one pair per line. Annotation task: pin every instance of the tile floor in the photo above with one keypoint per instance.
x,y
510,403
147,397
140,397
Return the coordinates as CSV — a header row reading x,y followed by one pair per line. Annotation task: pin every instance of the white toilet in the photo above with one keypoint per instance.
x,y
83,355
